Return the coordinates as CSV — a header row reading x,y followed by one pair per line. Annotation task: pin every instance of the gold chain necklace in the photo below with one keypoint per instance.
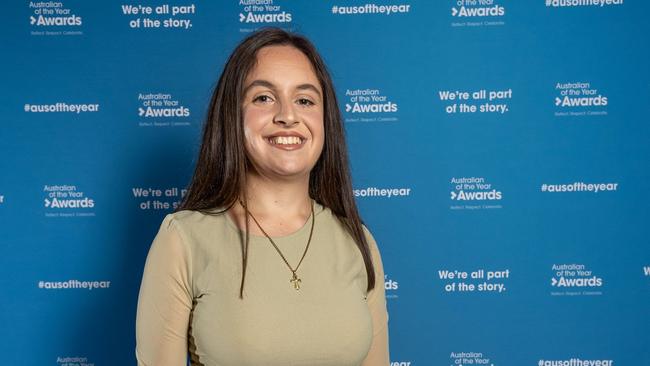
x,y
295,280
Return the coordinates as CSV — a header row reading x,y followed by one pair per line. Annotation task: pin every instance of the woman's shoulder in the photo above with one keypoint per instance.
x,y
196,231
190,221
188,217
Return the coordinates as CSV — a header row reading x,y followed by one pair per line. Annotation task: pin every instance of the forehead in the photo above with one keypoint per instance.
x,y
287,63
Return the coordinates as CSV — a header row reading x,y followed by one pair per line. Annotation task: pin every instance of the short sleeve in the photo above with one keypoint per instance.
x,y
379,353
165,300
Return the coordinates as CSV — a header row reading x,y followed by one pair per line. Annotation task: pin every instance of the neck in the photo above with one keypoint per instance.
x,y
278,198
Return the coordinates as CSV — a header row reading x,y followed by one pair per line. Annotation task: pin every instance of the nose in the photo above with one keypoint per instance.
x,y
286,115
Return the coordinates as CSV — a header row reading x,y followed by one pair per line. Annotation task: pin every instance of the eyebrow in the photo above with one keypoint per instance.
x,y
270,85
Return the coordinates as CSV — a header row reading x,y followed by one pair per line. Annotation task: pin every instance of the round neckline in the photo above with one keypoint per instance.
x,y
306,226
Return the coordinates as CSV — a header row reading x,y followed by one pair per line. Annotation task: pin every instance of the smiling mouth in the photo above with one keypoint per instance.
x,y
285,140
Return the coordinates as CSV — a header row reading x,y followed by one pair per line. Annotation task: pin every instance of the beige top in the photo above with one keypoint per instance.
x,y
189,298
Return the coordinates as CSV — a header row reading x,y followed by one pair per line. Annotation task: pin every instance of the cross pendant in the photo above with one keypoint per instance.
x,y
295,281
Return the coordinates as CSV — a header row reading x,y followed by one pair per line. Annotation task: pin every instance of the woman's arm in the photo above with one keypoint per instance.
x,y
165,300
378,354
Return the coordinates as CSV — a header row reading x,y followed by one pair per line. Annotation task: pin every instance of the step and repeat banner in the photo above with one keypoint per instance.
x,y
500,153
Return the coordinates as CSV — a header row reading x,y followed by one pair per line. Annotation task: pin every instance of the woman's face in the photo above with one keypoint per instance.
x,y
283,114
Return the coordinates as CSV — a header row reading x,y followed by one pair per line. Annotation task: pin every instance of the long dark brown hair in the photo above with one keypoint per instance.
x,y
219,178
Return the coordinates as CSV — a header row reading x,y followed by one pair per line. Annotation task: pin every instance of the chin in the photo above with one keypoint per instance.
x,y
290,171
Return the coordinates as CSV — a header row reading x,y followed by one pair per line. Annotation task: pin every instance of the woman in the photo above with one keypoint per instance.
x,y
266,262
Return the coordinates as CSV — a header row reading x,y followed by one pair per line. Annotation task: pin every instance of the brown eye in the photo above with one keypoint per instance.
x,y
262,98
305,102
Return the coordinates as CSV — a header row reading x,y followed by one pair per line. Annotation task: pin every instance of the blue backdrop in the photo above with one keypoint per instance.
x,y
500,155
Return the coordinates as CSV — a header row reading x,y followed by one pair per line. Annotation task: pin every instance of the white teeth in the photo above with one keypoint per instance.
x,y
285,140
